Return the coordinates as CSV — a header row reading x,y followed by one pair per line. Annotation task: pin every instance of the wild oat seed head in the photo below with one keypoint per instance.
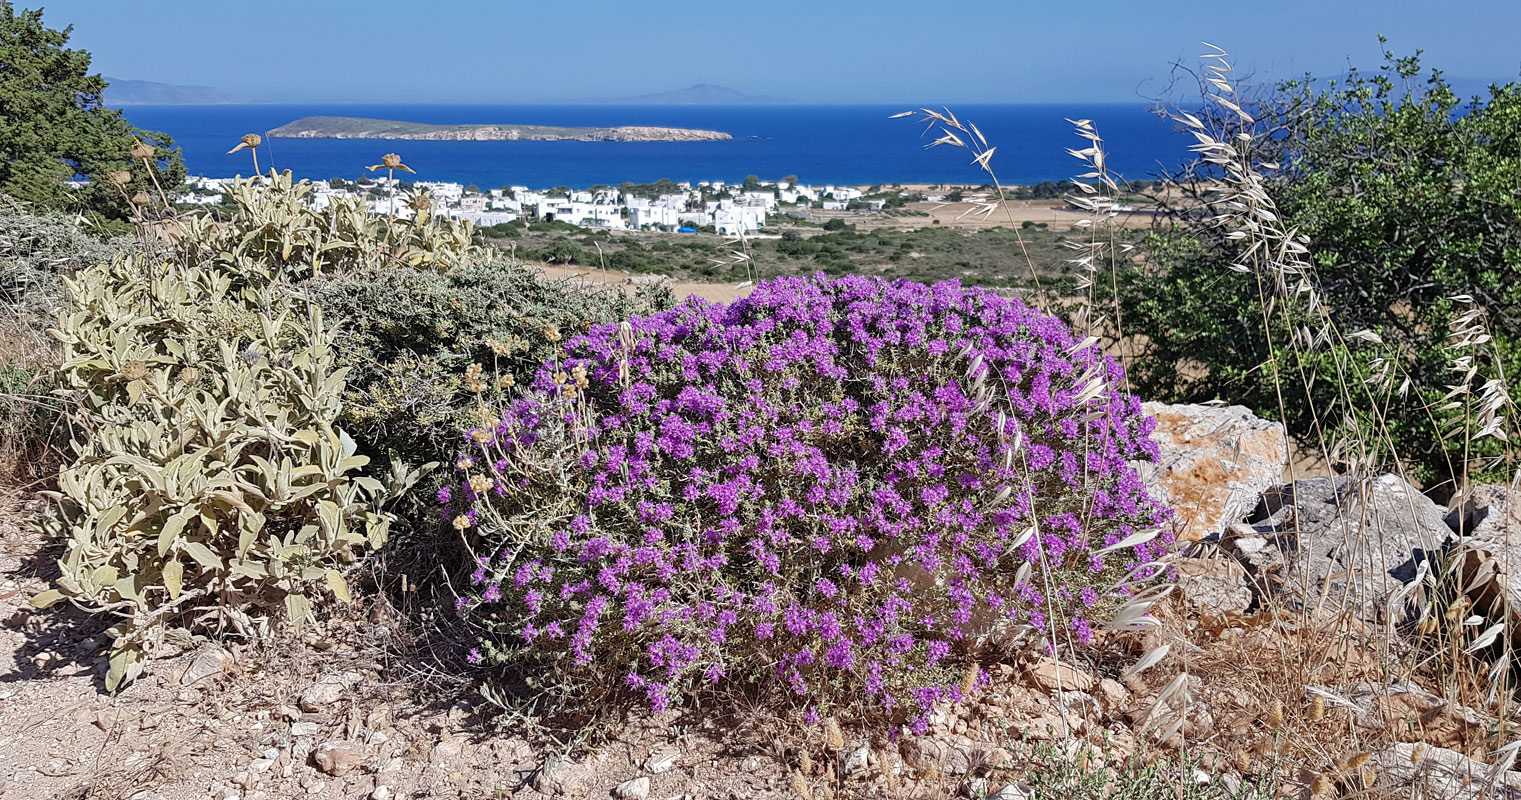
x,y
832,735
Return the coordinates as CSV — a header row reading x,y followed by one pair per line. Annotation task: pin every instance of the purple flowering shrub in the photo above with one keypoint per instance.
x,y
842,485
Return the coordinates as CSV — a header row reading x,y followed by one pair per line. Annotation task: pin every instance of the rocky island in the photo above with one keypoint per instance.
x,y
361,128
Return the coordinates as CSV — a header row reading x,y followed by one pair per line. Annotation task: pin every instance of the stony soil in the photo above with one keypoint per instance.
x,y
353,710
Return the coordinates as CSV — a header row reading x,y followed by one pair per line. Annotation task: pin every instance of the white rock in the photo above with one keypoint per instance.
x,y
636,789
661,760
1443,774
328,690
382,793
853,759
304,729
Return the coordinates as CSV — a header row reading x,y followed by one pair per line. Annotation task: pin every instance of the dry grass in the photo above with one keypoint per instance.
x,y
1275,690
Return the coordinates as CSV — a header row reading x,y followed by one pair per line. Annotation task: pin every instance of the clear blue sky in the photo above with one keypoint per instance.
x,y
825,51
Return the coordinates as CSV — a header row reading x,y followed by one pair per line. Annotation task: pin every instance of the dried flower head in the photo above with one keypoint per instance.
x,y
1320,786
552,333
141,198
391,161
1317,708
461,522
480,436
190,376
1275,715
249,142
134,370
480,483
1358,760
142,151
119,178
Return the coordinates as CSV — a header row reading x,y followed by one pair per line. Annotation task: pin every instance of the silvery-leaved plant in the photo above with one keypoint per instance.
x,y
209,483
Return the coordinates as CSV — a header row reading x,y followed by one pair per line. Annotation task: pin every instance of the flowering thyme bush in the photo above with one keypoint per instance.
x,y
845,485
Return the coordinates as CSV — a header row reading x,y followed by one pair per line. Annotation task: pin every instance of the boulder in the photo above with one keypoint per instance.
x,y
1488,512
1488,524
1343,543
1214,463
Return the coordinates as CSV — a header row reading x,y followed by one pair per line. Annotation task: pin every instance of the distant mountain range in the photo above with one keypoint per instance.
x,y
702,94
122,92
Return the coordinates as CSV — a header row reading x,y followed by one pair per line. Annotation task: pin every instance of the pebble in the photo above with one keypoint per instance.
x,y
303,729
636,789
661,761
382,793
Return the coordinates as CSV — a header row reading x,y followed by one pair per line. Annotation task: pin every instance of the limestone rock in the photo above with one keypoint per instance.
x,y
328,690
1052,676
338,758
209,662
1217,585
1214,463
636,789
662,759
1346,543
1489,512
853,759
925,755
563,778
1443,774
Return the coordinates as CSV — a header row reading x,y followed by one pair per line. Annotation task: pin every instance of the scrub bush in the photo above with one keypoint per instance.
x,y
844,486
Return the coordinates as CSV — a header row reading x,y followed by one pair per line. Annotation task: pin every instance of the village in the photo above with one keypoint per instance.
x,y
712,206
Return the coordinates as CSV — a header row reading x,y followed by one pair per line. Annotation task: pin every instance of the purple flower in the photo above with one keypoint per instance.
x,y
811,483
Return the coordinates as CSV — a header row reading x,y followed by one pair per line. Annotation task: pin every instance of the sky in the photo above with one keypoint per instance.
x,y
817,51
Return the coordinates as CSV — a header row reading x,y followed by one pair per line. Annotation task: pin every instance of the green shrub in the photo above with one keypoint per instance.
x,y
409,337
1408,201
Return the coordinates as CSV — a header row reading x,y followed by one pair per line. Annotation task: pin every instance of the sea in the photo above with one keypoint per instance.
x,y
842,145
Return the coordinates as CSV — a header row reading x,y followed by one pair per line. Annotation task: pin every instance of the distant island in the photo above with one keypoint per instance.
x,y
361,128
123,92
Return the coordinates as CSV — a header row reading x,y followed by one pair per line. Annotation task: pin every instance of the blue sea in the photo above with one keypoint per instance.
x,y
846,145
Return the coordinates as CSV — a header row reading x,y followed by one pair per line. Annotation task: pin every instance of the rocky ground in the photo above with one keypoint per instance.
x,y
1277,669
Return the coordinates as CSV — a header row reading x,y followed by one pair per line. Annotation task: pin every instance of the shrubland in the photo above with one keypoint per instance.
x,y
846,495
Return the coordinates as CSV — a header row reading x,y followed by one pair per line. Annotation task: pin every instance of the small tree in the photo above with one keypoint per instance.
x,y
55,126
